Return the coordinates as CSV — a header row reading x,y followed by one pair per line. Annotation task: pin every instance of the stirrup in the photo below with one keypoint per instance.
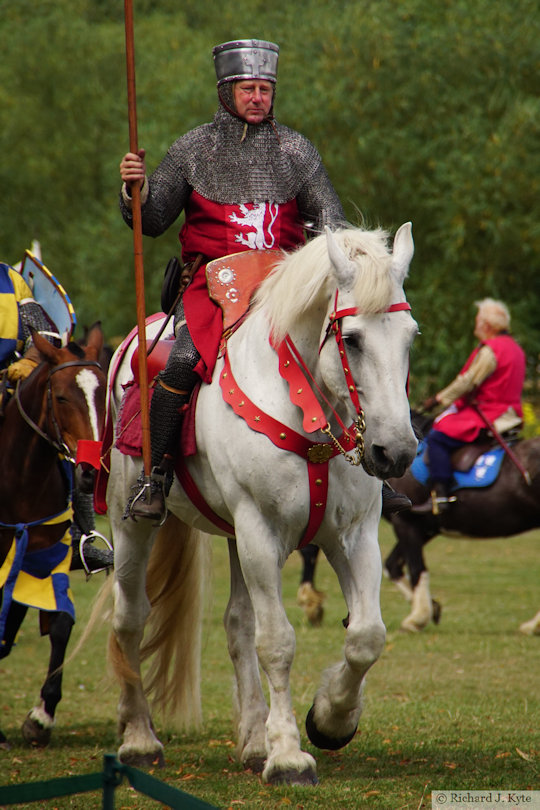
x,y
103,558
149,501
440,503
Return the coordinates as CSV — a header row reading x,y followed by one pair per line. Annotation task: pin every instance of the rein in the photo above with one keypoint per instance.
x,y
57,442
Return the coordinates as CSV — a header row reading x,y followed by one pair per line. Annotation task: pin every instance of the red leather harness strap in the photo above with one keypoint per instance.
x,y
316,454
193,493
301,393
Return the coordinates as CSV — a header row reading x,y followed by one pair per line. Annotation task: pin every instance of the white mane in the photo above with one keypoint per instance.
x,y
304,278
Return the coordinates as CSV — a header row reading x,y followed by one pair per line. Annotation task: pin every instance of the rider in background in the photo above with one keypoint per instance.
x,y
490,383
20,314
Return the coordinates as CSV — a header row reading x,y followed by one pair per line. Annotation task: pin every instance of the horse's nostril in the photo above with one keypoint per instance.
x,y
380,457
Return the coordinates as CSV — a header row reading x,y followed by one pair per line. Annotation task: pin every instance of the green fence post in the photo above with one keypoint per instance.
x,y
112,778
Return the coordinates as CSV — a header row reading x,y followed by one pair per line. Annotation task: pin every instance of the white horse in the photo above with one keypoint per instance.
x,y
338,303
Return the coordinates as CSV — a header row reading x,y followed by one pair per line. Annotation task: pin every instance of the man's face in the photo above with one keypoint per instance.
x,y
480,327
253,99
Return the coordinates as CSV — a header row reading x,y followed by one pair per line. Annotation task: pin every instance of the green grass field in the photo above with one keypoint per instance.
x,y
454,707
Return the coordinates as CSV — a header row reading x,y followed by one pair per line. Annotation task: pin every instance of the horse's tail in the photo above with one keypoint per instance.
x,y
178,567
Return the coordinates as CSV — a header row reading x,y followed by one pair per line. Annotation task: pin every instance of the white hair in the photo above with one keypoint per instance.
x,y
495,313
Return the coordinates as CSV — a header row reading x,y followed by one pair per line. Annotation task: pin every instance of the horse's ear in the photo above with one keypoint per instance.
x,y
345,270
403,251
46,349
94,337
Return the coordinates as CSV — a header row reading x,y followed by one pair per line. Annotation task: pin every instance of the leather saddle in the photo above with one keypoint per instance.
x,y
464,458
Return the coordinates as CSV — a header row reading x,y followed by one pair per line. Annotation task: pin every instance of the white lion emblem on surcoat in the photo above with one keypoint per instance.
x,y
259,220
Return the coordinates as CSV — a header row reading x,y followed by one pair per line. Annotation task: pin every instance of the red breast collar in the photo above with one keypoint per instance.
x,y
316,454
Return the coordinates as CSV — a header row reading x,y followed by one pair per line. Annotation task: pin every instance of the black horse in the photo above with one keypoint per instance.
x,y
509,506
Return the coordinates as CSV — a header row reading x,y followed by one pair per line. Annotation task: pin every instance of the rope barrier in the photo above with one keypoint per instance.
x,y
107,781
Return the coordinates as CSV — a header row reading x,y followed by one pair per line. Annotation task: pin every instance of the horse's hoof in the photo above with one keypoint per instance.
x,y
292,777
143,761
530,628
4,744
254,764
320,740
34,733
311,600
409,625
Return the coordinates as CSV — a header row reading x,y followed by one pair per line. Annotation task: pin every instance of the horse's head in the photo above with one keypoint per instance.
x,y
366,366
73,400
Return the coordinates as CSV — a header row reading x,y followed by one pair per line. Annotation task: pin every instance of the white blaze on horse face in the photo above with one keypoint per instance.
x,y
88,383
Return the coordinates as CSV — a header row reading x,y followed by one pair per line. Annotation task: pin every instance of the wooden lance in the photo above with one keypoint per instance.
x,y
137,241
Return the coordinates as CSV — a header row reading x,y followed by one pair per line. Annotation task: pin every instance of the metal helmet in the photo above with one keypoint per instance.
x,y
246,59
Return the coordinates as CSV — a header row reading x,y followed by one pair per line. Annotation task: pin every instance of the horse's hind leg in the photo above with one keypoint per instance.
x,y
332,721
251,706
308,597
39,721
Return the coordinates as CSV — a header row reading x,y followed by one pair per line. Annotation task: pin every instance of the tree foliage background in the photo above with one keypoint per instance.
x,y
422,111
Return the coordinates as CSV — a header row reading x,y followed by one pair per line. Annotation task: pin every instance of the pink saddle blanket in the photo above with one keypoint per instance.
x,y
129,430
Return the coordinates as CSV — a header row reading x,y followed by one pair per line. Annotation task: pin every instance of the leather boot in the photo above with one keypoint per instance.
x,y
149,502
392,501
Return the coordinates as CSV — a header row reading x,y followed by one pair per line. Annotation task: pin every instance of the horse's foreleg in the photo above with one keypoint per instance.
x,y
252,709
332,721
409,551
132,546
275,645
14,619
39,722
140,747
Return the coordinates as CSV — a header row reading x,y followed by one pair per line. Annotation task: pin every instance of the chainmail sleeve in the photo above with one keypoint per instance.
x,y
33,316
318,202
168,193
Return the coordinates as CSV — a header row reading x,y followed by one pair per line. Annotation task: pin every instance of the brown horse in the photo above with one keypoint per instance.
x,y
509,506
61,403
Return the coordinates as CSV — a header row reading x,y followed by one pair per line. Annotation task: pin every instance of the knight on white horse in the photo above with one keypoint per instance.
x,y
306,413
243,169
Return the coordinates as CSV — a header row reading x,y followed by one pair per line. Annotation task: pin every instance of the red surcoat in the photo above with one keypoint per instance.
x,y
500,391
216,230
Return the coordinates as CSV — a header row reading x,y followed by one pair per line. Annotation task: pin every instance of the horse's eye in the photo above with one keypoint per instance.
x,y
353,341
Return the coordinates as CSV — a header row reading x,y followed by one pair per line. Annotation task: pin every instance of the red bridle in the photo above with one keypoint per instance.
x,y
334,326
